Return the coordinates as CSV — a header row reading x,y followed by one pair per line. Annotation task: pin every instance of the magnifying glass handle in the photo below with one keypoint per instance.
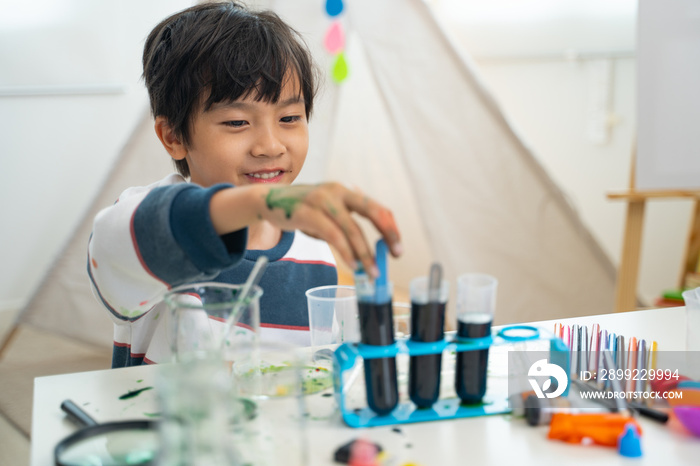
x,y
76,414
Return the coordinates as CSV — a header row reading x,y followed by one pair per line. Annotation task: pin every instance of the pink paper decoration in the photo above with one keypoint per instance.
x,y
335,38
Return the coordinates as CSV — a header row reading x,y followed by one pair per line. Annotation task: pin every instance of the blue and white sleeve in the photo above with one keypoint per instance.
x,y
153,239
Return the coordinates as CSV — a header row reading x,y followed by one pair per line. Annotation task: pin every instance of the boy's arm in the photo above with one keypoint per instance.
x,y
153,239
322,211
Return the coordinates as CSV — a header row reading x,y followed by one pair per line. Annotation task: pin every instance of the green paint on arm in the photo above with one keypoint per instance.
x,y
283,199
331,209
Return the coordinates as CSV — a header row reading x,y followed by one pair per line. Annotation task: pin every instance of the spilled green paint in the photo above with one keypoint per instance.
x,y
250,411
250,408
151,414
139,381
134,393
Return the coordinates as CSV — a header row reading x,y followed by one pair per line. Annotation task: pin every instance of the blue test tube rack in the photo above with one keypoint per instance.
x,y
346,357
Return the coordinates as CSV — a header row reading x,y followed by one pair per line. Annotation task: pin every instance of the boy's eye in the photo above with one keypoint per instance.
x,y
290,119
235,123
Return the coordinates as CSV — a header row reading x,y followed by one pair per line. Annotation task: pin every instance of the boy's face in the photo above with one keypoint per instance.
x,y
249,141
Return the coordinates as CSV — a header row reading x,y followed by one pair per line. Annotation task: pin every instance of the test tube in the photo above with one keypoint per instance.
x,y
428,303
476,301
377,328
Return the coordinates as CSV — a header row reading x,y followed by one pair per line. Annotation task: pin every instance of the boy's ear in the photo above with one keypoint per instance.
x,y
171,142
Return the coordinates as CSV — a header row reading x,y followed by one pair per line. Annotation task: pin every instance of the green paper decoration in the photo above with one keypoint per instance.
x,y
340,68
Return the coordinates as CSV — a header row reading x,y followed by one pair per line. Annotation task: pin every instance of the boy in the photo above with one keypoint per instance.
x,y
231,92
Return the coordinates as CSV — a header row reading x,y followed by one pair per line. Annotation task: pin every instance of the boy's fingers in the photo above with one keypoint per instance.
x,y
320,226
356,238
380,216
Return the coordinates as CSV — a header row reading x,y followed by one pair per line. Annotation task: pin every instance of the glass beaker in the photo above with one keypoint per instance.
x,y
207,318
197,396
271,377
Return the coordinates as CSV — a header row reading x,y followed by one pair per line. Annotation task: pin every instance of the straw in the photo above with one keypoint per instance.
x,y
244,295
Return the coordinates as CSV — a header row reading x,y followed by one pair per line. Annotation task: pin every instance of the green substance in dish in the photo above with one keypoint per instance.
x,y
314,379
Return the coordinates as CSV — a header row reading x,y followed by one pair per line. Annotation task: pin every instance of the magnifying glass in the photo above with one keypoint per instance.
x,y
109,444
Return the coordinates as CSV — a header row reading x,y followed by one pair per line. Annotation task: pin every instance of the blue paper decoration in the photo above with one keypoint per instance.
x,y
334,7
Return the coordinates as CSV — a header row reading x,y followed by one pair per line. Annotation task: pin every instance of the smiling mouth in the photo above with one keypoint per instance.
x,y
265,177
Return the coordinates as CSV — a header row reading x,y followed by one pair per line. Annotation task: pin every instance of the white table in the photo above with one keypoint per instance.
x,y
483,440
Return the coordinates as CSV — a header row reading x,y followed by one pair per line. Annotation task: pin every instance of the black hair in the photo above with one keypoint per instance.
x,y
220,52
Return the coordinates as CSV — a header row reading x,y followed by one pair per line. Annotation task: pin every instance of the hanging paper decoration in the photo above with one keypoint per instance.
x,y
334,41
340,68
334,7
335,38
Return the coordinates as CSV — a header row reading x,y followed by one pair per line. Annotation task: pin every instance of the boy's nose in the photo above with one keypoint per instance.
x,y
267,144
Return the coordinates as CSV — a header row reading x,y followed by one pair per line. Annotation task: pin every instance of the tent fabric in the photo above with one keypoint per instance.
x,y
415,127
63,302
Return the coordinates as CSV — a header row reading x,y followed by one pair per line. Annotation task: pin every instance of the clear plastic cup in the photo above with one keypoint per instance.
x,y
332,316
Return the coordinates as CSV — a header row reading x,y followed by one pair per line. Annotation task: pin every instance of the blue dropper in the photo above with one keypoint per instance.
x,y
381,284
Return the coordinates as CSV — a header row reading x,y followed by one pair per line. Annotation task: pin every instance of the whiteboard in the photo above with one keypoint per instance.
x,y
668,94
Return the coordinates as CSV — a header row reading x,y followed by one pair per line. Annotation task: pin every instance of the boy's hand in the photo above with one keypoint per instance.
x,y
324,211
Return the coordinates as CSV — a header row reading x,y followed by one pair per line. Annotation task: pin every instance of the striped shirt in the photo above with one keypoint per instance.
x,y
160,236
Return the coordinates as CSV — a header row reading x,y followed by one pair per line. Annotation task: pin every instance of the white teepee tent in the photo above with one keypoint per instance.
x,y
415,127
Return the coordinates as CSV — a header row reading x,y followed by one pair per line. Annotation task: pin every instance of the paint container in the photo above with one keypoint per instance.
x,y
476,301
427,325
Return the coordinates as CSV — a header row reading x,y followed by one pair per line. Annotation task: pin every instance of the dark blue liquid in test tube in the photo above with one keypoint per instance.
x,y
377,328
470,378
427,323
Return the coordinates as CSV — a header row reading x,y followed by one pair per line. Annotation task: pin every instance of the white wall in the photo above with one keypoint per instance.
x,y
70,95
565,75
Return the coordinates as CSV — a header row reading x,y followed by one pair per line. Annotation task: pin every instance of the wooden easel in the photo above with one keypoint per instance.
x,y
628,273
